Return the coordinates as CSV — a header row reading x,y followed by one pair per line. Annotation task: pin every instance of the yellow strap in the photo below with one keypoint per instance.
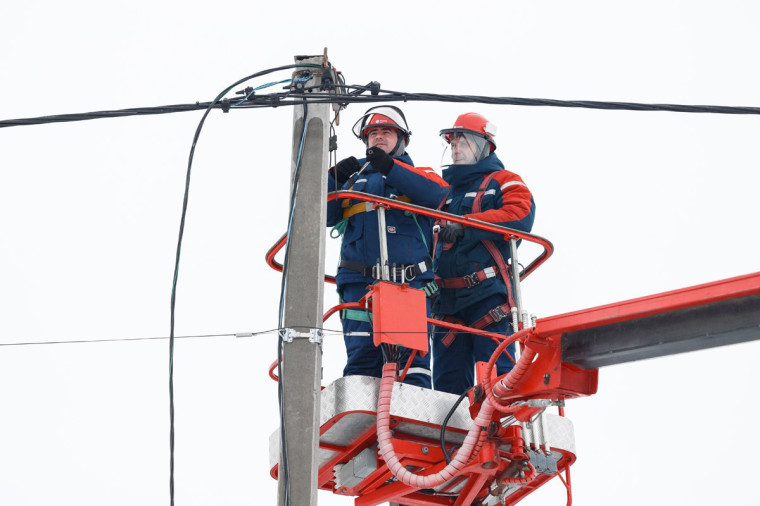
x,y
346,202
356,209
362,207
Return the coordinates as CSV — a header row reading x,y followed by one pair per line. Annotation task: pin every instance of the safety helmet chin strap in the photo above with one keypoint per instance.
x,y
400,147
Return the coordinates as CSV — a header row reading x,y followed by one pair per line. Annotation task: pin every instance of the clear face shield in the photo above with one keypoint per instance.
x,y
465,148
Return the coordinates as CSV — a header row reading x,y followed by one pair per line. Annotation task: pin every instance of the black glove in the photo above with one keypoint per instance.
x,y
344,168
380,160
451,232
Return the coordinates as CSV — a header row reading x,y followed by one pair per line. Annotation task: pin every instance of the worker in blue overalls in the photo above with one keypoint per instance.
x,y
387,171
475,289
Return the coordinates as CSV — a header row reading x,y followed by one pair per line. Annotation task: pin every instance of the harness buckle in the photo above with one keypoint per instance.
x,y
497,314
471,280
409,272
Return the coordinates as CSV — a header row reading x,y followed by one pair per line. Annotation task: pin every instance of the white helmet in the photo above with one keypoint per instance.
x,y
384,116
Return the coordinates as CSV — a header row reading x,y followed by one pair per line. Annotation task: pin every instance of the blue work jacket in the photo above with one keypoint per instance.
x,y
409,236
506,201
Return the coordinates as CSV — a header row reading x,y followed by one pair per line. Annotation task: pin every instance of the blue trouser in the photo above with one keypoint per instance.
x,y
366,359
454,365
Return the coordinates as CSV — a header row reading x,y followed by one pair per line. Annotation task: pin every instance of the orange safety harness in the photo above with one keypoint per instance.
x,y
497,313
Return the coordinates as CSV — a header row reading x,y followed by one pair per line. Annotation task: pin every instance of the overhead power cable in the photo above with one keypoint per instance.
x,y
134,339
119,113
238,335
284,99
376,95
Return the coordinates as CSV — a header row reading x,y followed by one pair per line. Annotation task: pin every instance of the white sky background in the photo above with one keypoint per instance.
x,y
635,203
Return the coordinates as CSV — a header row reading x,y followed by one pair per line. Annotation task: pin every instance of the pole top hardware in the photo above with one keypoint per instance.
x,y
324,75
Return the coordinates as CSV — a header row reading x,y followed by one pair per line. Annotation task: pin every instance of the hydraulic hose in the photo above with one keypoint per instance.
x,y
507,383
528,477
475,436
474,439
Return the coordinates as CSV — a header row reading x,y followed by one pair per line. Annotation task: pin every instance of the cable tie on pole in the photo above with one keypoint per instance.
x,y
225,105
374,88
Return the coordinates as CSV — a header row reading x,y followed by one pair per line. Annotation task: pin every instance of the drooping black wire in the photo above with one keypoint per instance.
x,y
283,467
446,422
334,148
177,257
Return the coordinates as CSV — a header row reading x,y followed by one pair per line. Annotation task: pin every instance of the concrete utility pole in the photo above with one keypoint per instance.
x,y
304,297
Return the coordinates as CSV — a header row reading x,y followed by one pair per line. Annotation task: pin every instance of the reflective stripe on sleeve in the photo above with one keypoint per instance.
x,y
512,183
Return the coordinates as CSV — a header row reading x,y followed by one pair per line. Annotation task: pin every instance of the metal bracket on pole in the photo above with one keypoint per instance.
x,y
289,334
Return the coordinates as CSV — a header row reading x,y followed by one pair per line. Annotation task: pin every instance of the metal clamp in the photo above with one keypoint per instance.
x,y
313,335
408,273
497,314
471,280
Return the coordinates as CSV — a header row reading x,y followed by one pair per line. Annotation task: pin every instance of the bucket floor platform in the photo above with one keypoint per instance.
x,y
349,463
